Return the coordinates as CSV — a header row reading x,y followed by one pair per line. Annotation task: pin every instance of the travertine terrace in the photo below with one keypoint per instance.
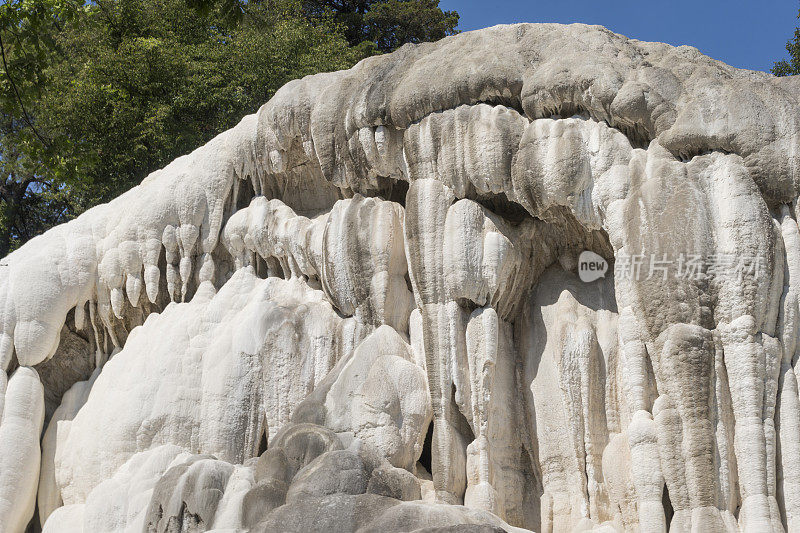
x,y
360,309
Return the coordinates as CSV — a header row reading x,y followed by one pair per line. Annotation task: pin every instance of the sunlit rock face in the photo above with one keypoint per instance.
x,y
364,308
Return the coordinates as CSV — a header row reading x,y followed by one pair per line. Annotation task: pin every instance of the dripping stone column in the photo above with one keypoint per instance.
x,y
443,331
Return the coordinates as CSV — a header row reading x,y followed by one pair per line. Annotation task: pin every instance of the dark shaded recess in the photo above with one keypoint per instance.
x,y
391,189
397,192
33,525
425,458
499,203
246,193
638,135
564,110
511,101
665,501
408,284
262,444
277,269
460,421
259,265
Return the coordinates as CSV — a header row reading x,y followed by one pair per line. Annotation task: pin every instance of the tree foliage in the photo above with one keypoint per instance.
x,y
29,199
791,66
393,23
385,24
95,95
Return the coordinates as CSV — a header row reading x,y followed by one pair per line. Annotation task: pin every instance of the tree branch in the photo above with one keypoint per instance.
x,y
16,93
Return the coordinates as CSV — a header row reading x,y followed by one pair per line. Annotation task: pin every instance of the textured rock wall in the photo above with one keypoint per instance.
x,y
360,308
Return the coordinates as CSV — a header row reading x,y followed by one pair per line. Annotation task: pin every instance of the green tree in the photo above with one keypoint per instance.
x,y
95,95
386,24
150,80
31,199
791,66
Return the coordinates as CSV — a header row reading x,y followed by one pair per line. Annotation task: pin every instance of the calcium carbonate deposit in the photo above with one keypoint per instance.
x,y
360,309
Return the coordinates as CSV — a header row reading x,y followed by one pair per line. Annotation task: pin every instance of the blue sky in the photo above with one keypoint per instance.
x,y
746,34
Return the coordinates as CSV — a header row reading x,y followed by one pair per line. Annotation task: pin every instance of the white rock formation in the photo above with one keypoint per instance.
x,y
20,427
360,308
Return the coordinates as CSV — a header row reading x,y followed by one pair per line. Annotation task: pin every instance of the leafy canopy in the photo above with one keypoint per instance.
x,y
95,95
385,24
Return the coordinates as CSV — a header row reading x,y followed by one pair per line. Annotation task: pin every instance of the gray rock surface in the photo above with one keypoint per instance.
x,y
301,445
343,513
395,483
266,496
187,495
340,471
